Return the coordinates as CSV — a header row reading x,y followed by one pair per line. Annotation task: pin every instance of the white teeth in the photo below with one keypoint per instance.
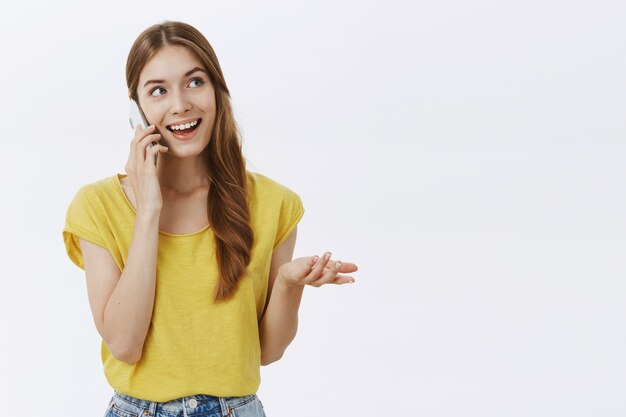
x,y
185,126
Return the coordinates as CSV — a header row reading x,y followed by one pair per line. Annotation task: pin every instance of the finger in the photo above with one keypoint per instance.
x,y
337,278
141,133
133,145
141,148
326,276
318,269
153,137
348,267
342,266
136,152
343,279
330,273
151,154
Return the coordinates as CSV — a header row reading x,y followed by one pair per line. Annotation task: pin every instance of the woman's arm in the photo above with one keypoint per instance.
x,y
286,283
122,302
279,323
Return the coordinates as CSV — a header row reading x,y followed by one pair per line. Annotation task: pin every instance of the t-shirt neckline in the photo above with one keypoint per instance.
x,y
118,178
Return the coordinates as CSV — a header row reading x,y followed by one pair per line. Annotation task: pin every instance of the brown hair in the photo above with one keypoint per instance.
x,y
228,210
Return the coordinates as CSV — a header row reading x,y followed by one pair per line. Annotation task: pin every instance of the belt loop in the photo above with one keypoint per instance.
x,y
184,408
225,407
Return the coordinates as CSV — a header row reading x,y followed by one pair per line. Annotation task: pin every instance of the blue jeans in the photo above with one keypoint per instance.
x,y
199,405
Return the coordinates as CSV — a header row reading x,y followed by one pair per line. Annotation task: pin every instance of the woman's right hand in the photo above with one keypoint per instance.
x,y
141,169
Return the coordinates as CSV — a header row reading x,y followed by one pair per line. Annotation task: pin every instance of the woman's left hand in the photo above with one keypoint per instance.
x,y
316,271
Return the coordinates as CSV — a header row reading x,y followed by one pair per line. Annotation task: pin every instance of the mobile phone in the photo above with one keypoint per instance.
x,y
136,117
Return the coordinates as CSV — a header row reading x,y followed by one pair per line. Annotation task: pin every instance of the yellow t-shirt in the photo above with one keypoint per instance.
x,y
193,345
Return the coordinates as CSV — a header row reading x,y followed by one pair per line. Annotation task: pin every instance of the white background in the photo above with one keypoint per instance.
x,y
468,156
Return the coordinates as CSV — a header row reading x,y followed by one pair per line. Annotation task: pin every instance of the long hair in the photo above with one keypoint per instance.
x,y
227,203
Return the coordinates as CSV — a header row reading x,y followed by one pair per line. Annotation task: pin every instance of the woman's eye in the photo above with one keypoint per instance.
x,y
155,89
199,80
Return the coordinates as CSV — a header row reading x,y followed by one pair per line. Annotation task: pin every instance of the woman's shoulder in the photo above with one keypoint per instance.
x,y
274,205
100,188
262,185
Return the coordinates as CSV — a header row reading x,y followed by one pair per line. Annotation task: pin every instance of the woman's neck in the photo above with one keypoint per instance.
x,y
182,175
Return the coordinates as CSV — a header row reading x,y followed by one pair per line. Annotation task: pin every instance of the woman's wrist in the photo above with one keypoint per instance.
x,y
287,283
149,213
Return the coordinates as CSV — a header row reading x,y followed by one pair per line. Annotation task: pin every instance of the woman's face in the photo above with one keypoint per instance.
x,y
174,90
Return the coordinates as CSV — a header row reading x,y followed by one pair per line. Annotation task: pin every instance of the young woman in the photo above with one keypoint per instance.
x,y
188,259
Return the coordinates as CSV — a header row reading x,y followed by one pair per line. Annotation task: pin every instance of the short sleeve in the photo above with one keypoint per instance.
x,y
291,211
80,222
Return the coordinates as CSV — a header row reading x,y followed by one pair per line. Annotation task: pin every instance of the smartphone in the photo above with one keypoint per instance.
x,y
136,117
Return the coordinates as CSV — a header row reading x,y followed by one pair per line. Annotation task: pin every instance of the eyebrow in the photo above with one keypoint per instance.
x,y
188,73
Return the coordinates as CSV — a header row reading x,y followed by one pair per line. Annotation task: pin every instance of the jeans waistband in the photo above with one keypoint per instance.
x,y
189,405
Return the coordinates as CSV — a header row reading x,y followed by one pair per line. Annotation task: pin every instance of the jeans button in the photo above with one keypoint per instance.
x,y
192,403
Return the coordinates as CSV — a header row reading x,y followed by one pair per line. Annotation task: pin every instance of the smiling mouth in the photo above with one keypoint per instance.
x,y
183,131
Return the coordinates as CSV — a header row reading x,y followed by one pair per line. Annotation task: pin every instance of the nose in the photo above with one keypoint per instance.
x,y
180,103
